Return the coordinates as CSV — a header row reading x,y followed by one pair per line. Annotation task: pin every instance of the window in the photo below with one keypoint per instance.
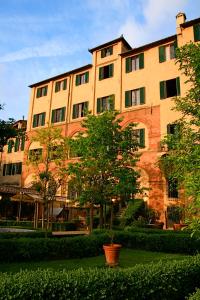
x,y
172,185
80,110
167,52
139,134
135,63
82,78
58,115
12,169
135,97
60,85
170,88
107,51
42,91
35,154
196,29
105,103
39,120
172,128
106,72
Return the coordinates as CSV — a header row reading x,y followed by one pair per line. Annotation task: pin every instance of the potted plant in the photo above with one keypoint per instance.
x,y
112,252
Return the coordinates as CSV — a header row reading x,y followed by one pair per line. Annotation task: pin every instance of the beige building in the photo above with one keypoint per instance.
x,y
139,82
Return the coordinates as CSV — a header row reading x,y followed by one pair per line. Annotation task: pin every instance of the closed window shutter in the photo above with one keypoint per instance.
x,y
65,84
111,68
162,89
52,116
74,113
63,114
142,95
196,29
77,79
141,60
17,144
142,138
162,55
86,77
99,105
57,87
178,91
100,73
43,118
128,99
128,64
22,143
34,121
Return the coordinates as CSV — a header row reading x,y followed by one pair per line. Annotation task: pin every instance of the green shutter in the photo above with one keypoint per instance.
x,y
162,55
142,95
175,46
22,142
178,89
65,84
34,121
16,144
45,90
43,118
141,60
10,146
162,89
128,64
85,108
142,138
57,87
111,69
100,73
74,114
52,116
168,128
112,102
77,80
38,93
99,105
86,77
196,29
63,114
111,50
128,99
103,53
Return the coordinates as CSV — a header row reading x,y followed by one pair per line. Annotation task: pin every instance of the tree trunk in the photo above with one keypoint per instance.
x,y
105,215
101,216
111,215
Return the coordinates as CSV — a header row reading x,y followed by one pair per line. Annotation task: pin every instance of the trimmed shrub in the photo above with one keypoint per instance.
x,y
164,281
31,234
195,296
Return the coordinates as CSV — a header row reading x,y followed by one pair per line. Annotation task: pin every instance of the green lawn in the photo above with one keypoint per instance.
x,y
128,258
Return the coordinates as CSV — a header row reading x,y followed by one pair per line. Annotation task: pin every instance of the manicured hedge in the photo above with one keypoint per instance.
x,y
195,296
172,281
30,234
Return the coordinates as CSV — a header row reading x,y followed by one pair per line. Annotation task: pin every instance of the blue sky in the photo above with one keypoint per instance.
x,y
43,38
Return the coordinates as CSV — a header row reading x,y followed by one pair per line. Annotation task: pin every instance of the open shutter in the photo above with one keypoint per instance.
x,y
52,116
175,47
142,95
141,60
57,87
85,108
34,121
38,93
43,118
100,73
111,68
64,84
162,89
22,143
103,53
111,50
77,79
17,140
168,128
178,91
128,99
196,29
99,105
112,102
86,77
142,138
74,114
63,114
162,56
9,146
128,64
45,90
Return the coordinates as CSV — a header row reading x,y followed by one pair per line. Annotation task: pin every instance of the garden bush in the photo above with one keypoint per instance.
x,y
14,223
165,281
30,234
68,226
195,296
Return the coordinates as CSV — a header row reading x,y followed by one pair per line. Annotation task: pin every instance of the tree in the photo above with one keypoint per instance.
x,y
105,170
49,165
6,131
182,161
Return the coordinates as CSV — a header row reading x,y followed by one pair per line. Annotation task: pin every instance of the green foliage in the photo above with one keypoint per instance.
x,y
182,161
173,280
6,131
195,296
134,210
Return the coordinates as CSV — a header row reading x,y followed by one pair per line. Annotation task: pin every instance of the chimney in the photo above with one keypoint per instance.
x,y
180,19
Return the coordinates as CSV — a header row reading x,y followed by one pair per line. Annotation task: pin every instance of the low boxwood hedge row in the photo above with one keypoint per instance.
x,y
165,281
22,249
30,234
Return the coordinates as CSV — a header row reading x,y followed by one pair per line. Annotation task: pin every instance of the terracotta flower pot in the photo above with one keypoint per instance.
x,y
112,254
